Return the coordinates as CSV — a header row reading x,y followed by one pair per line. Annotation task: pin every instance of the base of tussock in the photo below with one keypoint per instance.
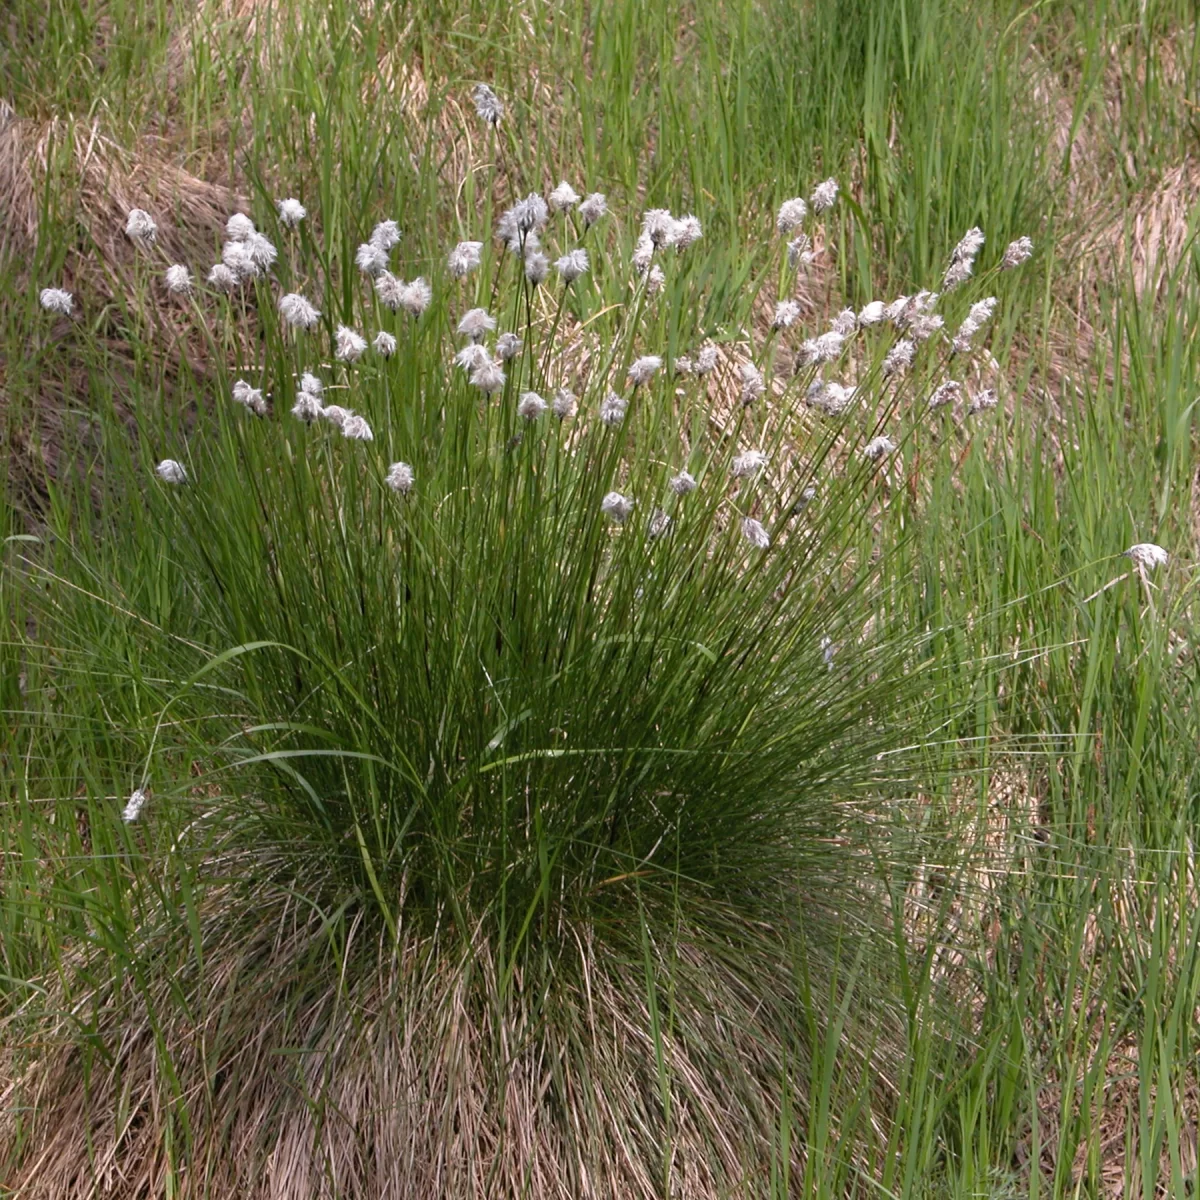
x,y
428,1070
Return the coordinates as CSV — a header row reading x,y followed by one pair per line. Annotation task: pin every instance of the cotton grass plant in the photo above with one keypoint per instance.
x,y
503,714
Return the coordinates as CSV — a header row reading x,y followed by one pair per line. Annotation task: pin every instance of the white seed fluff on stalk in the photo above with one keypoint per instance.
x,y
178,280
983,401
1016,253
643,254
472,356
563,198
612,409
944,394
384,343
616,507
564,404
683,365
682,483
400,478
291,212
643,369
791,215
655,280
800,254
659,227
824,196
753,384
250,397
878,447
371,259
845,324
336,415
530,215
830,397
237,257
962,259
747,464
787,313
311,384
133,808
349,345
390,289
593,208
416,297
488,377
825,348
658,524
355,428
262,251
385,235
706,360
900,357
55,300
531,406
572,265
239,227
925,326
873,313
508,346
755,533
464,258
957,273
1146,556
487,104
307,407
687,231
223,279
476,323
141,227
537,267
170,471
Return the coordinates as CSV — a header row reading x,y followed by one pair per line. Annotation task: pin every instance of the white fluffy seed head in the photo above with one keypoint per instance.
x,y
787,313
563,198
385,235
250,397
222,278
508,346
531,406
873,313
239,227
1016,253
878,447
572,265
643,254
944,394
178,280
1146,556
983,401
791,215
683,365
464,258
391,290
262,251
349,344
925,326
659,227
687,231
55,300
141,227
616,507
472,356
170,471
956,275
900,357
537,267
134,806
706,361
593,208
371,259
845,323
658,524
800,253
755,533
656,280
488,377
830,397
643,369
747,464
384,343
824,196
476,323
416,297
753,384
487,104
311,384
237,257
564,404
612,409
336,415
400,478
355,428
291,212
682,483
307,407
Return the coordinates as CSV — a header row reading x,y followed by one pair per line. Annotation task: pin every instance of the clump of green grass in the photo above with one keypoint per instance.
x,y
492,703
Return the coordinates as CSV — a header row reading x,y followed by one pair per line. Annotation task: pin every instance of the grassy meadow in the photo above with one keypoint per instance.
x,y
678,780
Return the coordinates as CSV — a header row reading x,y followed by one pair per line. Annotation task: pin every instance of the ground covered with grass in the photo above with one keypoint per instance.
x,y
560,699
